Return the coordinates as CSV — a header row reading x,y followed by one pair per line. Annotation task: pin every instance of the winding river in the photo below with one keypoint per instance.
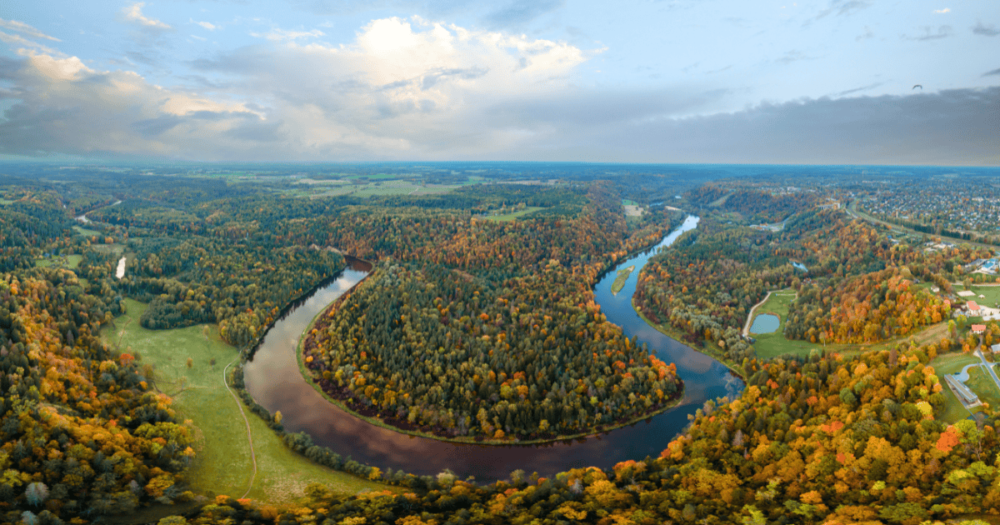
x,y
273,379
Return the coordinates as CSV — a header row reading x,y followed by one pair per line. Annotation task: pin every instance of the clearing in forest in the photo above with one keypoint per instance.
x,y
982,386
223,462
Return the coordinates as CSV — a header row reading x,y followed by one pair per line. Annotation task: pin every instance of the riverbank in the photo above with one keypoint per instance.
x,y
710,349
223,463
315,380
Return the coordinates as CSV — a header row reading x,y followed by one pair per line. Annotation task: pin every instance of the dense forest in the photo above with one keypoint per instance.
x,y
509,346
500,321
857,286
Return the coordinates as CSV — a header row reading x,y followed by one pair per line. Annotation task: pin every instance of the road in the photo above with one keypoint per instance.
x,y
852,210
989,367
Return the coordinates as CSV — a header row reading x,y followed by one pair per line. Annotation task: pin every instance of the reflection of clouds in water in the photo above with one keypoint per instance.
x,y
734,385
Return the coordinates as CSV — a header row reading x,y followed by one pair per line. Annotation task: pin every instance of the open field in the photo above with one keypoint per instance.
x,y
85,231
70,262
775,344
952,363
514,215
223,463
991,293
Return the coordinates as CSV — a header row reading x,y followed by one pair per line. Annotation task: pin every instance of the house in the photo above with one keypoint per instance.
x,y
972,307
978,328
995,348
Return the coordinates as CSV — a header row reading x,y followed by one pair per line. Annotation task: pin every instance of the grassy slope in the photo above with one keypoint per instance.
x,y
511,216
774,344
85,231
223,464
66,261
952,363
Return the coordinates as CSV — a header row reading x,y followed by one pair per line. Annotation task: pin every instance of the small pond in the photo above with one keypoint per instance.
x,y
765,324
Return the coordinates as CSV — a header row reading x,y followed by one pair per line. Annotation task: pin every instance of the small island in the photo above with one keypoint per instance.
x,y
620,280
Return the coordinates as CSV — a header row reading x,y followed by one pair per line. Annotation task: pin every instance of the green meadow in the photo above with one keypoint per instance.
x,y
223,462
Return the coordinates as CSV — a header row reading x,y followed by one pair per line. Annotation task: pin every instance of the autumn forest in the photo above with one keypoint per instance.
x,y
871,396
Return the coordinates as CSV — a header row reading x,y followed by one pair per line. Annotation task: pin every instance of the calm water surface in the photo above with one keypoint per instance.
x,y
273,379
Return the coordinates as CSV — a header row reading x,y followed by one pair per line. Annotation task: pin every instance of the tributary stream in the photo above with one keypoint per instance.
x,y
274,380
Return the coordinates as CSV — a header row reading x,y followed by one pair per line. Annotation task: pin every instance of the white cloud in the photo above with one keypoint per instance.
x,y
279,35
19,40
207,25
942,11
133,13
401,89
21,27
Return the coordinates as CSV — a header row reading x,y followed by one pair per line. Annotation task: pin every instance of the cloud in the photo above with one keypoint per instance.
x,y
952,127
793,56
401,89
520,12
866,35
279,35
18,40
858,89
929,33
207,25
133,13
21,27
942,11
844,7
62,106
994,72
985,29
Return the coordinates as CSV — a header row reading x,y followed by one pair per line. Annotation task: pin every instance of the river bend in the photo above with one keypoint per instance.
x,y
272,377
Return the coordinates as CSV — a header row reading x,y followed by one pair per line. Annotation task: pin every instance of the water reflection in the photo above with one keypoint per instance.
x,y
273,378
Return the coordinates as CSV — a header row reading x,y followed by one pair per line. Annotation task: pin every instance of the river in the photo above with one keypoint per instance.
x,y
273,379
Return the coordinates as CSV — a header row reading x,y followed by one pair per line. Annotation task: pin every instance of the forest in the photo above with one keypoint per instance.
x,y
477,329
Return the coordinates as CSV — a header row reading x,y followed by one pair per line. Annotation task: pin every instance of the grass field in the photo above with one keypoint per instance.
x,y
513,216
6,201
775,344
991,293
85,232
952,363
223,463
69,262
116,249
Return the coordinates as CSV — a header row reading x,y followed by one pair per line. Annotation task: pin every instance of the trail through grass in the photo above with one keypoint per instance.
x,y
224,461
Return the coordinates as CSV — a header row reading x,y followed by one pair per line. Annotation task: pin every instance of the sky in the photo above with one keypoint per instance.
x,y
721,81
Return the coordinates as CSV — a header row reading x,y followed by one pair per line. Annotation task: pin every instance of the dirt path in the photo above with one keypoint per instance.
x,y
253,455
746,327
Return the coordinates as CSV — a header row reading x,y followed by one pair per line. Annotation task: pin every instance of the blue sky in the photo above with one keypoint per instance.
x,y
828,81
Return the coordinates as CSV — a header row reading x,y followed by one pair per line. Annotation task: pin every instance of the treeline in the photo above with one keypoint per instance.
x,y
82,432
858,287
818,440
530,357
241,286
756,206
